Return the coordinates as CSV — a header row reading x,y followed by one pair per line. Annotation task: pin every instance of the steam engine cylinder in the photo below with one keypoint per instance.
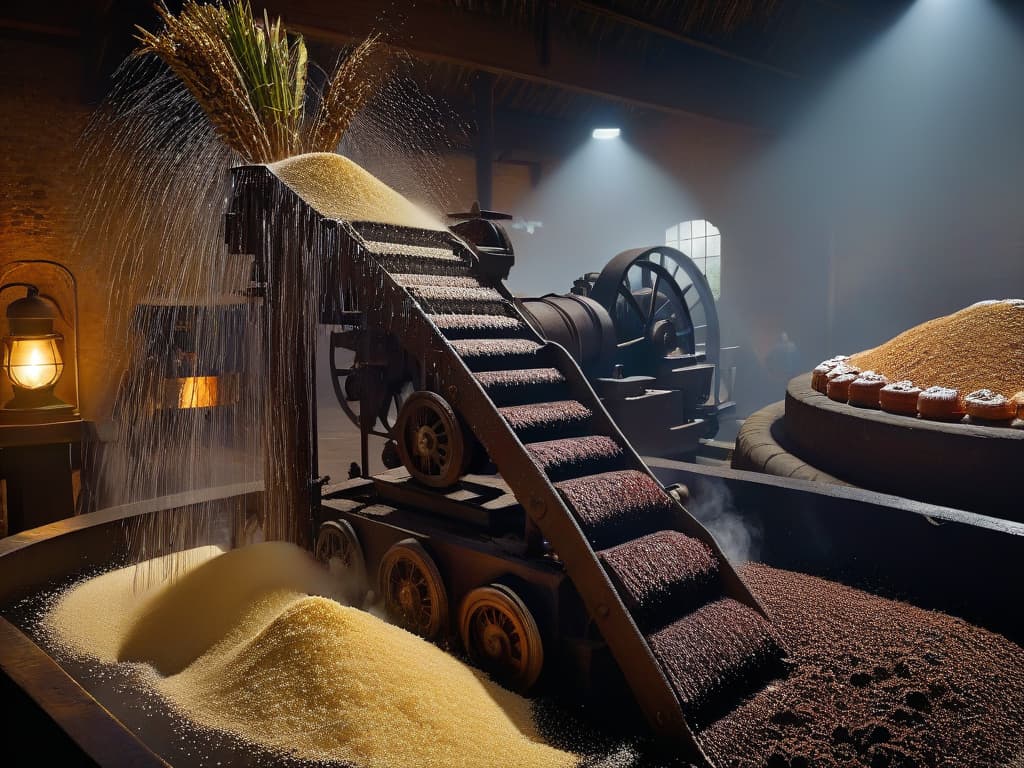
x,y
579,324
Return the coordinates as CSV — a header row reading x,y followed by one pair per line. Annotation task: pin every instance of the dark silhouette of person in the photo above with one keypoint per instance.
x,y
782,362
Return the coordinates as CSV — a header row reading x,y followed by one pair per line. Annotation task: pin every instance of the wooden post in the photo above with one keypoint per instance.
x,y
280,239
36,464
290,392
483,104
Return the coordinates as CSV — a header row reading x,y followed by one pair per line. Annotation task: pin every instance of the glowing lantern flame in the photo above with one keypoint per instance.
x,y
34,363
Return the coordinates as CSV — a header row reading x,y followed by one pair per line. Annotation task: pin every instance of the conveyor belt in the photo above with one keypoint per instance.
x,y
681,625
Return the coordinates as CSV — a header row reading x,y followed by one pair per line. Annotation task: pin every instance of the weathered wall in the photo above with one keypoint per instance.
x,y
512,184
606,196
42,117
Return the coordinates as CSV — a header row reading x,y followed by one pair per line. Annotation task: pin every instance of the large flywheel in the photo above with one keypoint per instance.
x,y
660,303
371,392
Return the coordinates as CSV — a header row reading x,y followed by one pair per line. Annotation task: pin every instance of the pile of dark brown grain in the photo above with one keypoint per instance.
x,y
448,290
405,278
449,321
494,347
877,683
712,654
544,421
576,456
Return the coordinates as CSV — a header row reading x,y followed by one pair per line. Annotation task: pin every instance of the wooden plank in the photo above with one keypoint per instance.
x,y
659,31
26,539
96,731
20,435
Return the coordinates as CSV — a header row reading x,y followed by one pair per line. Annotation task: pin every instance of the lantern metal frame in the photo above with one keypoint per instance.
x,y
55,342
43,404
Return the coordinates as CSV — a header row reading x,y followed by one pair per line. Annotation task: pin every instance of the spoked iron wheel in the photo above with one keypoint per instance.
x,y
337,547
414,593
352,383
501,637
658,298
431,441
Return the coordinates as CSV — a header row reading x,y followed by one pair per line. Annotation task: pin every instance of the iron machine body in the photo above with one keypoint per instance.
x,y
517,513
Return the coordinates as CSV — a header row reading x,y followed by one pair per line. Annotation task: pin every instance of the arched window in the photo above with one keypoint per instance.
x,y
702,242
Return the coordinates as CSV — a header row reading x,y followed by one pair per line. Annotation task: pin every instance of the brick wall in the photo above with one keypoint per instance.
x,y
42,116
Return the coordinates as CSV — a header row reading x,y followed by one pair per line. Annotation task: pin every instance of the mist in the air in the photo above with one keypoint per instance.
x,y
895,197
603,199
891,197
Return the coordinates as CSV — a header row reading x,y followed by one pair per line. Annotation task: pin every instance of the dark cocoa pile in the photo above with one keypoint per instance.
x,y
877,683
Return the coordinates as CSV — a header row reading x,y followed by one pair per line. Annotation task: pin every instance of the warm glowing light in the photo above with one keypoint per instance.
x,y
34,363
606,133
198,392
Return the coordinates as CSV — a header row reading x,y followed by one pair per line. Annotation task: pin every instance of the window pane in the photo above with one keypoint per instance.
x,y
672,234
684,230
713,272
712,229
697,228
699,248
715,245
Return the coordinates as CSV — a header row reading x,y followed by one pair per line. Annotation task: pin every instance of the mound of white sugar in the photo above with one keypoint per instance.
x,y
235,642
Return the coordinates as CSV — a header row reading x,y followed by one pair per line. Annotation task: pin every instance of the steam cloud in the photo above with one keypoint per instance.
x,y
712,504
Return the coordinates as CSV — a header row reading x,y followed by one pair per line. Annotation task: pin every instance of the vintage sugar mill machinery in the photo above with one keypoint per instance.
x,y
519,524
644,331
555,556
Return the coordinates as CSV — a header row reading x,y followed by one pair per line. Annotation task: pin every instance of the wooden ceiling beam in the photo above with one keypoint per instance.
x,y
866,12
45,30
679,37
694,81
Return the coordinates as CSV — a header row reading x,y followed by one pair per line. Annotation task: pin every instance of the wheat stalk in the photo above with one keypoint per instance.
x,y
251,80
356,77
274,73
193,45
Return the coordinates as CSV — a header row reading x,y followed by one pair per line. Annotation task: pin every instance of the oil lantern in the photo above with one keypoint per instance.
x,y
39,365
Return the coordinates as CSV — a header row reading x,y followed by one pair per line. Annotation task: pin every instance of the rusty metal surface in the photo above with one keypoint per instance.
x,y
398,313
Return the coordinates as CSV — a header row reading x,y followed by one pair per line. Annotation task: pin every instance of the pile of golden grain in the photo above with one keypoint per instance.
x,y
338,188
236,643
980,347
